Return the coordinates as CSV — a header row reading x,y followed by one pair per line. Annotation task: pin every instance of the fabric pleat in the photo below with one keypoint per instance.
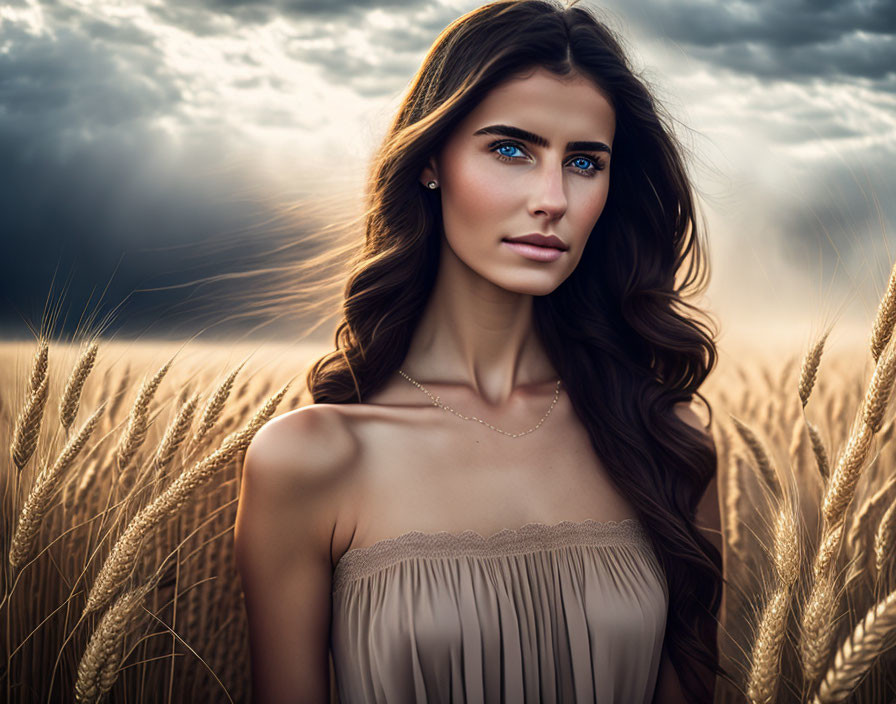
x,y
543,614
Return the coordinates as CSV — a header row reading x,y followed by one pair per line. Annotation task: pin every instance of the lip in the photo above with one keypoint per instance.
x,y
534,252
540,240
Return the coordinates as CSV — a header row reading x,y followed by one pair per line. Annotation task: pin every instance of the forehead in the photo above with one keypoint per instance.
x,y
559,108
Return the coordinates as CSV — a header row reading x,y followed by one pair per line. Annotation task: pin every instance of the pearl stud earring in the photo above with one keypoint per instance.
x,y
432,184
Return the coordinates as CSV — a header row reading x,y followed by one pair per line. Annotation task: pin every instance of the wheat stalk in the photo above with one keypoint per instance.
x,y
762,681
174,435
827,551
883,538
39,365
855,538
118,396
817,627
818,616
38,500
786,547
809,369
71,397
818,449
27,428
858,652
99,665
766,654
215,406
138,422
797,445
122,558
841,487
878,392
886,317
842,484
760,454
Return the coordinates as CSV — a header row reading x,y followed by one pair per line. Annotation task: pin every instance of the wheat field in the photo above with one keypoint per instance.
x,y
123,467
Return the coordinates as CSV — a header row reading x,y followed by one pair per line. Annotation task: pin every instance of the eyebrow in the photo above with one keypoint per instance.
x,y
527,136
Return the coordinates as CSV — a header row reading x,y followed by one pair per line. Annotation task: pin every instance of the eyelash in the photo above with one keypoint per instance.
x,y
598,164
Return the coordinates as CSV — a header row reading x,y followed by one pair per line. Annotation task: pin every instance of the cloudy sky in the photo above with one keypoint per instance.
x,y
135,136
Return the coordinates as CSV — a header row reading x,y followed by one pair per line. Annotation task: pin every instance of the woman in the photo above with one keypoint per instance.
x,y
501,492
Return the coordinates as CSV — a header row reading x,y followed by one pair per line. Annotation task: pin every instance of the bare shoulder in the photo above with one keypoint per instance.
x,y
305,448
298,472
291,493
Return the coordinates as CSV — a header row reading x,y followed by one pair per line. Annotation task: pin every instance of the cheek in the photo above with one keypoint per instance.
x,y
593,206
474,194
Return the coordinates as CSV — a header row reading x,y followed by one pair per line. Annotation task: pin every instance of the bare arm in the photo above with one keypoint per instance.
x,y
282,546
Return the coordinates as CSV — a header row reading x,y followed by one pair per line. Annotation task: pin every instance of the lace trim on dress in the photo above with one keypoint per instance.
x,y
532,537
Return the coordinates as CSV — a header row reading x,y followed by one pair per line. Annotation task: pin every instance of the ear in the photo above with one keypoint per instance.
x,y
430,172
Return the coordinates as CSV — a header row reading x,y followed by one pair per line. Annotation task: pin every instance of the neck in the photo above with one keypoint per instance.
x,y
477,334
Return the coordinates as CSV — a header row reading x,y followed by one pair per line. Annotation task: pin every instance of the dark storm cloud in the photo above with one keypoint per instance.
x,y
89,171
789,39
208,17
300,8
60,89
841,220
204,21
87,175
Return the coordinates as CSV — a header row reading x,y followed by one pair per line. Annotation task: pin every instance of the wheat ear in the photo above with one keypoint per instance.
x,y
122,558
878,393
118,396
71,397
817,627
215,406
855,538
883,538
873,409
174,436
766,654
760,454
99,665
138,422
39,497
39,364
175,433
27,428
886,317
818,449
786,547
858,652
809,369
818,616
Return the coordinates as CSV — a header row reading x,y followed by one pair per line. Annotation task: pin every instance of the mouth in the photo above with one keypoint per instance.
x,y
539,240
534,252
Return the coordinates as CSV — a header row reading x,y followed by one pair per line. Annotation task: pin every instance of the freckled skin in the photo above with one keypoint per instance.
x,y
489,192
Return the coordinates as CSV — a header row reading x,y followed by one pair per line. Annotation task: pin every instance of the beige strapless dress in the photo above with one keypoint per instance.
x,y
570,612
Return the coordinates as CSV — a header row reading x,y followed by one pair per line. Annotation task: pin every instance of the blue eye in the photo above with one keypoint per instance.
x,y
507,150
587,166
512,151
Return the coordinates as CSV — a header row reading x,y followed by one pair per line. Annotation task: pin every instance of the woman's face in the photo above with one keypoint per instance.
x,y
532,158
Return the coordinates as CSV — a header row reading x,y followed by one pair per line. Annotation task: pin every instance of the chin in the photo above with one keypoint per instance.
x,y
531,288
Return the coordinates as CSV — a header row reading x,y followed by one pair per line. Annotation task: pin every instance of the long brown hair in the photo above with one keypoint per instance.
x,y
618,325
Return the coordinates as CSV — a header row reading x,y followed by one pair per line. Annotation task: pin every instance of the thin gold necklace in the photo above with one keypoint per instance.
x,y
437,402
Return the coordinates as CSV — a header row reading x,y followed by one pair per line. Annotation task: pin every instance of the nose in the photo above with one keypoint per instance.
x,y
548,195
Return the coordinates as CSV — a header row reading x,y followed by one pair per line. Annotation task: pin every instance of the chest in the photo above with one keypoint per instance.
x,y
433,472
